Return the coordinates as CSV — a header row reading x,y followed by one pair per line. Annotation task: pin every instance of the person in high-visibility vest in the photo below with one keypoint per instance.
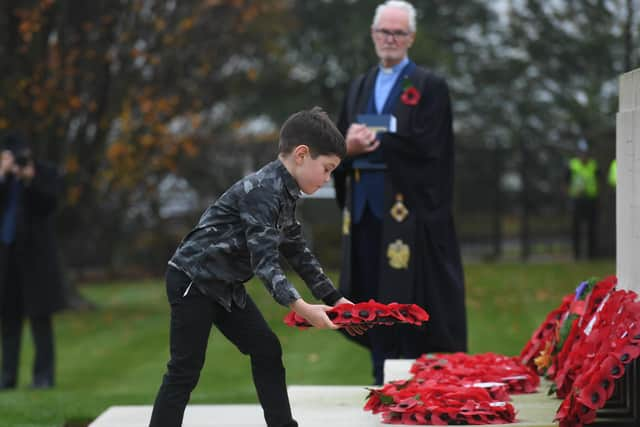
x,y
582,179
609,207
612,179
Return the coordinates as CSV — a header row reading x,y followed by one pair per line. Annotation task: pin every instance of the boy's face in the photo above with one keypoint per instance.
x,y
314,173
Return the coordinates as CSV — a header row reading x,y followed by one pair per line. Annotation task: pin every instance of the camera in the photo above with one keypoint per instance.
x,y
22,158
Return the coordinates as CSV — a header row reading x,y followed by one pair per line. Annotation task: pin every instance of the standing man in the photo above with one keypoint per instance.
x,y
396,189
612,176
30,281
582,176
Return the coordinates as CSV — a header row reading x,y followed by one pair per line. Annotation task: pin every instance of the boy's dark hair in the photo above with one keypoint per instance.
x,y
314,129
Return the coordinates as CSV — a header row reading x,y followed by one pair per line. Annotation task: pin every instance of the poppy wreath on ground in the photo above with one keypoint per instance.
x,y
498,391
611,341
416,402
552,342
478,368
543,338
367,313
572,353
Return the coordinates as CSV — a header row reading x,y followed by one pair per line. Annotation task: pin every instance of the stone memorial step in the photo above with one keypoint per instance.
x,y
194,416
319,406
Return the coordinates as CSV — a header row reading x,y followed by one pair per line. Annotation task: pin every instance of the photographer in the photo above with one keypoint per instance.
x,y
30,280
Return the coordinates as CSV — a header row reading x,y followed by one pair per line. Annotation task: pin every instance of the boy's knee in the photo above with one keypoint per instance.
x,y
181,374
266,346
185,381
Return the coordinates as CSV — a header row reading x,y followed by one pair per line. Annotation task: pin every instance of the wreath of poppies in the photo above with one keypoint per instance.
x,y
486,368
608,342
543,338
567,362
454,389
418,402
584,346
367,313
551,343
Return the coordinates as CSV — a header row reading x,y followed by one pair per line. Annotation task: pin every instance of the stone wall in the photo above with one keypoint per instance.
x,y
628,182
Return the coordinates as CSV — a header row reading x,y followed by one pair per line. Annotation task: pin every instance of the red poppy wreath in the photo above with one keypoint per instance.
x,y
367,313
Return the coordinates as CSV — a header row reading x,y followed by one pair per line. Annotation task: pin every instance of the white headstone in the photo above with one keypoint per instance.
x,y
628,183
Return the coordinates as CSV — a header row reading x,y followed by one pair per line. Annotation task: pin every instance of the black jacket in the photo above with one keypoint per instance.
x,y
243,233
35,245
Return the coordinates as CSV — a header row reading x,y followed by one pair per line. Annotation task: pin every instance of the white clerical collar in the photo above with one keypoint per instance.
x,y
396,68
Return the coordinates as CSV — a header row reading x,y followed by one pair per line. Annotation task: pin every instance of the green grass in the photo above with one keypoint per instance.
x,y
117,354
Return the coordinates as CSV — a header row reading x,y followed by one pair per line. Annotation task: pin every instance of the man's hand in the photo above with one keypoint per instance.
x,y
6,163
315,314
360,139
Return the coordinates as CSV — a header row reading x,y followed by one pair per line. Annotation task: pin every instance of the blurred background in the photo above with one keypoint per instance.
x,y
152,108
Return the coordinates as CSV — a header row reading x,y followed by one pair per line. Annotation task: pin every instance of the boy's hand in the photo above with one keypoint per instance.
x,y
315,314
352,330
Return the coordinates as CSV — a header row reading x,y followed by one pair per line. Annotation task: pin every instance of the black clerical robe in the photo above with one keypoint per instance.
x,y
419,255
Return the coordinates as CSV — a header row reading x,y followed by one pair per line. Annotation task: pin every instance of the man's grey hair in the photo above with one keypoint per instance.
x,y
398,4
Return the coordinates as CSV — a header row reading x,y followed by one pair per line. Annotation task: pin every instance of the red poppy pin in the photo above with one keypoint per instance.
x,y
410,95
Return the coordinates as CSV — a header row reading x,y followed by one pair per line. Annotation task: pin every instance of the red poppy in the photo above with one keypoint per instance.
x,y
415,418
578,307
592,396
417,314
564,410
295,320
370,313
410,96
405,405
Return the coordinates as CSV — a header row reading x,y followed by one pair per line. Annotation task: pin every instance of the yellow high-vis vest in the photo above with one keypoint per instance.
x,y
584,182
613,173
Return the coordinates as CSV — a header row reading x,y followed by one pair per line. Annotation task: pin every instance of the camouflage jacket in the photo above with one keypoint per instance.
x,y
243,233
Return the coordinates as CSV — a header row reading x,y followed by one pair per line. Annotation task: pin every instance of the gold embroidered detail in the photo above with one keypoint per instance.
x,y
346,222
398,253
356,175
399,211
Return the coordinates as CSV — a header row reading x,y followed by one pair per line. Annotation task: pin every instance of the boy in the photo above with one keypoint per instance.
x,y
241,234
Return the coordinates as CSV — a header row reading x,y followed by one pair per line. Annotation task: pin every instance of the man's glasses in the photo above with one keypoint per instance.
x,y
383,33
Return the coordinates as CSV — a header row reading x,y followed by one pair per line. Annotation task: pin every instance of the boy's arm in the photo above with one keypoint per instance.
x,y
259,211
295,250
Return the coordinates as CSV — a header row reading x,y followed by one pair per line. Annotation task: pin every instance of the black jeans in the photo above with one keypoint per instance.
x,y
191,318
11,320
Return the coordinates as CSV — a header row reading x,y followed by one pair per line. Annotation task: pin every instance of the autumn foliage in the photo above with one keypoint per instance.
x,y
121,94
